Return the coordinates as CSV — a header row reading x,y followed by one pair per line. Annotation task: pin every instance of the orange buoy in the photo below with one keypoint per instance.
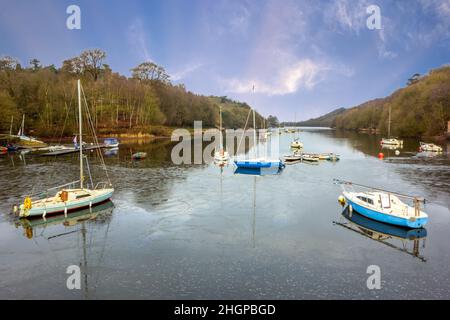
x,y
381,155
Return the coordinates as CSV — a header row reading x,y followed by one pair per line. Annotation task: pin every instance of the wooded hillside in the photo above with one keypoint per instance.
x,y
144,102
420,109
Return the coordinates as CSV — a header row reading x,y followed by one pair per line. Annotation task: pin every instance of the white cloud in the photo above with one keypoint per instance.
x,y
138,39
304,74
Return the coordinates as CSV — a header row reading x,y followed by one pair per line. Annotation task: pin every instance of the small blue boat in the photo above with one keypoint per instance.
x,y
259,163
384,206
383,228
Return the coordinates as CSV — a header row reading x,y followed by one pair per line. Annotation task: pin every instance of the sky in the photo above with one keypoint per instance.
x,y
304,58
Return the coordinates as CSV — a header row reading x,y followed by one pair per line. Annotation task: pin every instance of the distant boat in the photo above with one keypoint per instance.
x,y
328,156
26,140
389,140
430,147
310,157
68,197
296,144
111,143
139,155
384,206
258,162
221,155
296,157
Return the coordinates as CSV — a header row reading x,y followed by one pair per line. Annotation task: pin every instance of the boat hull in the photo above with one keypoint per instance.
x,y
386,218
68,206
258,164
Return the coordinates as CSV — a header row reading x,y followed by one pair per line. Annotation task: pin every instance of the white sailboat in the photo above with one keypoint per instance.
x,y
296,144
221,155
26,140
69,197
391,141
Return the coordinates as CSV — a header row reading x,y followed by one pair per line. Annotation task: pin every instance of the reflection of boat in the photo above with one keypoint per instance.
x,y
221,155
430,147
382,232
104,209
111,152
258,171
74,224
384,206
69,198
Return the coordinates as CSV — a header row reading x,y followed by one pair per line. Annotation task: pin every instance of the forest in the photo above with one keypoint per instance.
x,y
145,102
422,108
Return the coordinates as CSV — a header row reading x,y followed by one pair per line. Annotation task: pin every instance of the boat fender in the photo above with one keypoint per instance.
x,y
341,200
27,203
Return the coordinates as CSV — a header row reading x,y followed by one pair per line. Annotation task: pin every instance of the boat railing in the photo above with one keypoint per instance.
x,y
101,185
44,194
416,200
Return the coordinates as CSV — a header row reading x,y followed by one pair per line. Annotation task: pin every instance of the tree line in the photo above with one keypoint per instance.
x,y
420,109
145,102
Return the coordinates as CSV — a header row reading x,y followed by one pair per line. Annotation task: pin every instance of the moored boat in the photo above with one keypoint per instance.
x,y
139,155
392,142
430,147
68,197
111,143
384,206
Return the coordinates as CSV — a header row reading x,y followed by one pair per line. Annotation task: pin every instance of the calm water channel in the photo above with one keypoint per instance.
x,y
199,232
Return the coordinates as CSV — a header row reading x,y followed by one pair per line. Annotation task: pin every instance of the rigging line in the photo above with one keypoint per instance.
x,y
91,127
245,127
95,137
67,114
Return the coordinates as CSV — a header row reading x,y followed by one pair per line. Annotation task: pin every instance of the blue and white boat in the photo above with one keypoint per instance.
x,y
385,207
111,143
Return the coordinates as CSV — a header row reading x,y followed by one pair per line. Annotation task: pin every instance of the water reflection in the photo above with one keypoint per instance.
x,y
75,223
259,171
385,233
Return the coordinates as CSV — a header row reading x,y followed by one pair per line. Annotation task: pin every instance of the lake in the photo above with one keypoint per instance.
x,y
203,232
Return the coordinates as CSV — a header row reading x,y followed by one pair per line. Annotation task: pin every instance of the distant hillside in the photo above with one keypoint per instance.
x,y
420,109
322,121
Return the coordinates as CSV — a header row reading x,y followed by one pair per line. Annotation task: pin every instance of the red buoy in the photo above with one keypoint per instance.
x,y
381,155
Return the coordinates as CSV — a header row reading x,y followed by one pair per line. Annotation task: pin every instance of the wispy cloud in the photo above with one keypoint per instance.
x,y
138,40
185,71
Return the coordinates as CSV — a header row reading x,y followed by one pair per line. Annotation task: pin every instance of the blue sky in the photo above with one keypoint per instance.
x,y
305,58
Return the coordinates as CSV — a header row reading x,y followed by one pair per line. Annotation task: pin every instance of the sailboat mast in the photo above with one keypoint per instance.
x,y
254,134
220,127
10,127
80,133
22,130
254,127
389,123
